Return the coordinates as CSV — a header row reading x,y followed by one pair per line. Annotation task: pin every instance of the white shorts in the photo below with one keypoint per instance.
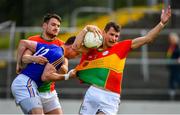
x,y
25,93
50,101
23,87
99,100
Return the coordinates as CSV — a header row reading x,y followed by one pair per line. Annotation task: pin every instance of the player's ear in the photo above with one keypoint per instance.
x,y
44,25
103,32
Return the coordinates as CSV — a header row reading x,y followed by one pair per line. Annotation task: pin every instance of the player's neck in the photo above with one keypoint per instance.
x,y
47,38
103,47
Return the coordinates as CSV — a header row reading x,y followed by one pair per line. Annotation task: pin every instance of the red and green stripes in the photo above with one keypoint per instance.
x,y
47,86
102,77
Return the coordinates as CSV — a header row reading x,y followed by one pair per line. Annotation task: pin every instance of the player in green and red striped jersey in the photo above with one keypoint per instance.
x,y
103,67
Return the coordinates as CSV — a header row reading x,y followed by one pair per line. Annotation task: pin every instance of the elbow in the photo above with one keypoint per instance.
x,y
23,42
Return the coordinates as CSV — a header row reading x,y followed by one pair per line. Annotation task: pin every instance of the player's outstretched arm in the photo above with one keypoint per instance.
x,y
153,33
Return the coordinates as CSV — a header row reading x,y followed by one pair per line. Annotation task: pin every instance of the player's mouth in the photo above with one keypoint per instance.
x,y
55,30
112,42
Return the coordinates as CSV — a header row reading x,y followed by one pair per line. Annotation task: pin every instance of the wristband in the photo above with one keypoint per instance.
x,y
66,76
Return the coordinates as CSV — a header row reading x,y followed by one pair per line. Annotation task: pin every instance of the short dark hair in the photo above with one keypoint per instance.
x,y
70,40
116,27
48,16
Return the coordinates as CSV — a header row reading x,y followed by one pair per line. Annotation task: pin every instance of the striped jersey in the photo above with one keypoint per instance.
x,y
105,68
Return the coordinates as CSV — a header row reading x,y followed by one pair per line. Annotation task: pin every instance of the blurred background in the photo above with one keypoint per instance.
x,y
146,75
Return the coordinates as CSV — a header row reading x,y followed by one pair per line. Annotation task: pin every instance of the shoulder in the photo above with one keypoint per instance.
x,y
35,37
127,41
123,47
124,43
59,40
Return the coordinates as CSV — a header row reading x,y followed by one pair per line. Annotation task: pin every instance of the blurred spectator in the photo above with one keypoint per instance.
x,y
173,53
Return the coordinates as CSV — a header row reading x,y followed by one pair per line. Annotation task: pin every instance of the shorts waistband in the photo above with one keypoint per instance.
x,y
104,90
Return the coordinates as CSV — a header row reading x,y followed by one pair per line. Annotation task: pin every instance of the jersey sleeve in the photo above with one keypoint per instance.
x,y
123,48
34,38
60,42
38,38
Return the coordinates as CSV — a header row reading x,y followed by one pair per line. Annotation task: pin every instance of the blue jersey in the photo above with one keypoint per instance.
x,y
53,53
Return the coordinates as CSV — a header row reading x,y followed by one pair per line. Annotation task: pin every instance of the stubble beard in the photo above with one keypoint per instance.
x,y
51,36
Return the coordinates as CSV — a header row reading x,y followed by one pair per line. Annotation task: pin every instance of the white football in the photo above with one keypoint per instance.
x,y
92,41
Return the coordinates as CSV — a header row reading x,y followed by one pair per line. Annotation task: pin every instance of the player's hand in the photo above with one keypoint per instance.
x,y
72,73
40,59
165,15
18,68
94,29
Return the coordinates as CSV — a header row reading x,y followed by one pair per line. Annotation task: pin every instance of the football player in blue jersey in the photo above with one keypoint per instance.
x,y
24,86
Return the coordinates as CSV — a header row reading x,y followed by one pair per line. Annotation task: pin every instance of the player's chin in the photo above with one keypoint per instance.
x,y
54,34
111,44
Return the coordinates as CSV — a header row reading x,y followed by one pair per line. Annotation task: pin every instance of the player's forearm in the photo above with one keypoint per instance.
x,y
27,59
79,39
53,77
152,34
20,51
165,16
23,46
148,38
57,77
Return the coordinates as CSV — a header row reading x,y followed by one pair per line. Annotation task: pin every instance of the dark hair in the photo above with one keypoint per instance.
x,y
70,40
116,27
48,16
